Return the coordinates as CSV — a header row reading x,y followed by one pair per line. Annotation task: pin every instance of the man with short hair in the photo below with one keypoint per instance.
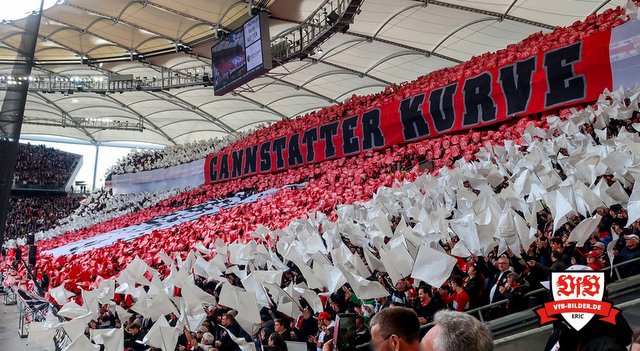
x,y
515,291
395,329
200,332
363,335
398,294
224,342
499,280
280,327
381,303
458,299
412,298
558,245
307,327
557,265
457,331
428,305
133,337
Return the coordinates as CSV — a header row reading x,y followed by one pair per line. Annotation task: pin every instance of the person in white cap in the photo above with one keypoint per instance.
x,y
630,252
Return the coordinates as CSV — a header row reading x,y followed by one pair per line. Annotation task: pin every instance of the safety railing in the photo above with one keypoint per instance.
x,y
504,342
620,286
296,42
105,84
10,296
481,311
23,319
299,38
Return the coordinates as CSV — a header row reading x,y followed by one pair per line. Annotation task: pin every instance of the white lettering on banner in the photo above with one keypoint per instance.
x,y
163,222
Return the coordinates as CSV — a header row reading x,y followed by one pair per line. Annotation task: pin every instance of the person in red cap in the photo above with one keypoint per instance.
x,y
593,260
326,326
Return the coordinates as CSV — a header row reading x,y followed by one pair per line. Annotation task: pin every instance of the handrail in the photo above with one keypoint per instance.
x,y
426,327
310,32
622,306
537,291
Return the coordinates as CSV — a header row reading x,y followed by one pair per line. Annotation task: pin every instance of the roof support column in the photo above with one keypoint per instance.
x,y
95,167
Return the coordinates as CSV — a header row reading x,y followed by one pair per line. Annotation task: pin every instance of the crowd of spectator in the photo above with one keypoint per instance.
x,y
475,282
41,165
93,209
33,213
146,160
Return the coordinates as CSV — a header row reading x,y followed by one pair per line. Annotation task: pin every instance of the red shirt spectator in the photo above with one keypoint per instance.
x,y
459,298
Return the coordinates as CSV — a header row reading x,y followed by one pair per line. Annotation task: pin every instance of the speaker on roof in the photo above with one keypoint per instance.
x,y
32,256
332,18
18,254
31,239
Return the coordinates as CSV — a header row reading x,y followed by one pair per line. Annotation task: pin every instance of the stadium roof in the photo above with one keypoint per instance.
x,y
389,42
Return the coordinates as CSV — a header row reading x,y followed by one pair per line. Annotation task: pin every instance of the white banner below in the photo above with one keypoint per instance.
x,y
163,222
176,177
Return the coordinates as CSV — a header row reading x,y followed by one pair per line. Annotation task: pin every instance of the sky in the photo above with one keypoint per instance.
x,y
22,8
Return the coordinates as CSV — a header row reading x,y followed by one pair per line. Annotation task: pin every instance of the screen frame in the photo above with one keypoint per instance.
x,y
267,64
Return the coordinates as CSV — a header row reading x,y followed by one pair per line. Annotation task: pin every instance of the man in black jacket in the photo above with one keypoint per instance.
x,y
515,291
308,327
363,334
224,341
498,281
133,337
557,265
428,305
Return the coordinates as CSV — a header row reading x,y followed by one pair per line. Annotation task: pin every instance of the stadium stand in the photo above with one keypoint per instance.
x,y
33,208
33,213
470,282
371,224
42,166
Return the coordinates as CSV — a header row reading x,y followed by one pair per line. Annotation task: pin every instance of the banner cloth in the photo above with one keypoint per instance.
x,y
561,76
170,220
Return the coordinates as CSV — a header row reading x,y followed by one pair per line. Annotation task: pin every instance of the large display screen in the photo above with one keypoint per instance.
x,y
241,55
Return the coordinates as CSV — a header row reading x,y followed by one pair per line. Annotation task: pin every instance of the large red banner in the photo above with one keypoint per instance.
x,y
562,76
